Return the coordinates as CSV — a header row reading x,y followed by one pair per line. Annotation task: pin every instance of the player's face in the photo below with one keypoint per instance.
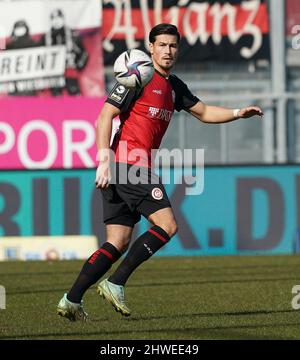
x,y
164,52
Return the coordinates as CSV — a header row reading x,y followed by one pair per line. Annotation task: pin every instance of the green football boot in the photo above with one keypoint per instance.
x,y
115,295
70,310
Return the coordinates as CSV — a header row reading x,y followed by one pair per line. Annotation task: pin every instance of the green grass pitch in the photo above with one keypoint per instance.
x,y
241,297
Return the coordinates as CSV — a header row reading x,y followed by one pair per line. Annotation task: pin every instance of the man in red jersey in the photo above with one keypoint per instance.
x,y
145,115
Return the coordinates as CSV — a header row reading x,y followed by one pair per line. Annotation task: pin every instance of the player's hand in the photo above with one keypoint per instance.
x,y
250,111
103,176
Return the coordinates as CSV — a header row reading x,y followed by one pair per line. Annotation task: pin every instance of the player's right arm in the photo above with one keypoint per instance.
x,y
103,136
118,100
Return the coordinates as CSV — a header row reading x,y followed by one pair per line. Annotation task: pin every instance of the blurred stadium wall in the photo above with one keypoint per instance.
x,y
54,74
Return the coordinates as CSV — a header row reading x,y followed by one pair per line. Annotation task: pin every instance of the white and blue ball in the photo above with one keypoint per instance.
x,y
133,68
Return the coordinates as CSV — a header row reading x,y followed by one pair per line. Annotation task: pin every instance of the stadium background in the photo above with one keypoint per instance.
x,y
250,202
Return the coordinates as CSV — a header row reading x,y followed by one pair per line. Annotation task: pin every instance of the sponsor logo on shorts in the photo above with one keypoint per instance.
x,y
157,194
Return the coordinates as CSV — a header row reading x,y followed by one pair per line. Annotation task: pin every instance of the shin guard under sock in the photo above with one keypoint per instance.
x,y
93,269
142,249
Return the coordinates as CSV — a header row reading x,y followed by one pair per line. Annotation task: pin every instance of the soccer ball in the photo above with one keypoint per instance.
x,y
133,68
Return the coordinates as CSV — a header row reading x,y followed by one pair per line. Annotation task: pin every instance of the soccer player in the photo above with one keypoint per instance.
x,y
144,116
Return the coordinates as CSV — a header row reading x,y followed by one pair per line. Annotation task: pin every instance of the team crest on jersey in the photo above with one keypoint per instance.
x,y
157,194
118,93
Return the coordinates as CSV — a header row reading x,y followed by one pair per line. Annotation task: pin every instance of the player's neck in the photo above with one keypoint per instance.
x,y
162,72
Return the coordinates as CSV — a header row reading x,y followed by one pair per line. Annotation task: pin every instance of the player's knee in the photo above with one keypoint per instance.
x,y
170,227
173,229
121,243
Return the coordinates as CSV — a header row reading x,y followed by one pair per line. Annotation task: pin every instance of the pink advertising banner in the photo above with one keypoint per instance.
x,y
52,83
51,48
43,133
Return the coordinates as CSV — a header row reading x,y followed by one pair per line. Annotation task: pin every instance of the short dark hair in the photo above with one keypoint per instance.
x,y
161,29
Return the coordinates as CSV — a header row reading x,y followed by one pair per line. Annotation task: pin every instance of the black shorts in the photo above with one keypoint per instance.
x,y
127,198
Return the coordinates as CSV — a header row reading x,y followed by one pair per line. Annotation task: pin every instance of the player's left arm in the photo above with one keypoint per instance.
x,y
218,114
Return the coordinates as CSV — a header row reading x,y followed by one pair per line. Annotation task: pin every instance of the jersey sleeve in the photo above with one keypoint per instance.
x,y
121,97
184,99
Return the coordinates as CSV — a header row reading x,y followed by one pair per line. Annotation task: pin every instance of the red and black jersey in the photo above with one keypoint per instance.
x,y
145,116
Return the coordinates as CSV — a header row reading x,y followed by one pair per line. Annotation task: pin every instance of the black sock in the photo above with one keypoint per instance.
x,y
142,249
93,269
